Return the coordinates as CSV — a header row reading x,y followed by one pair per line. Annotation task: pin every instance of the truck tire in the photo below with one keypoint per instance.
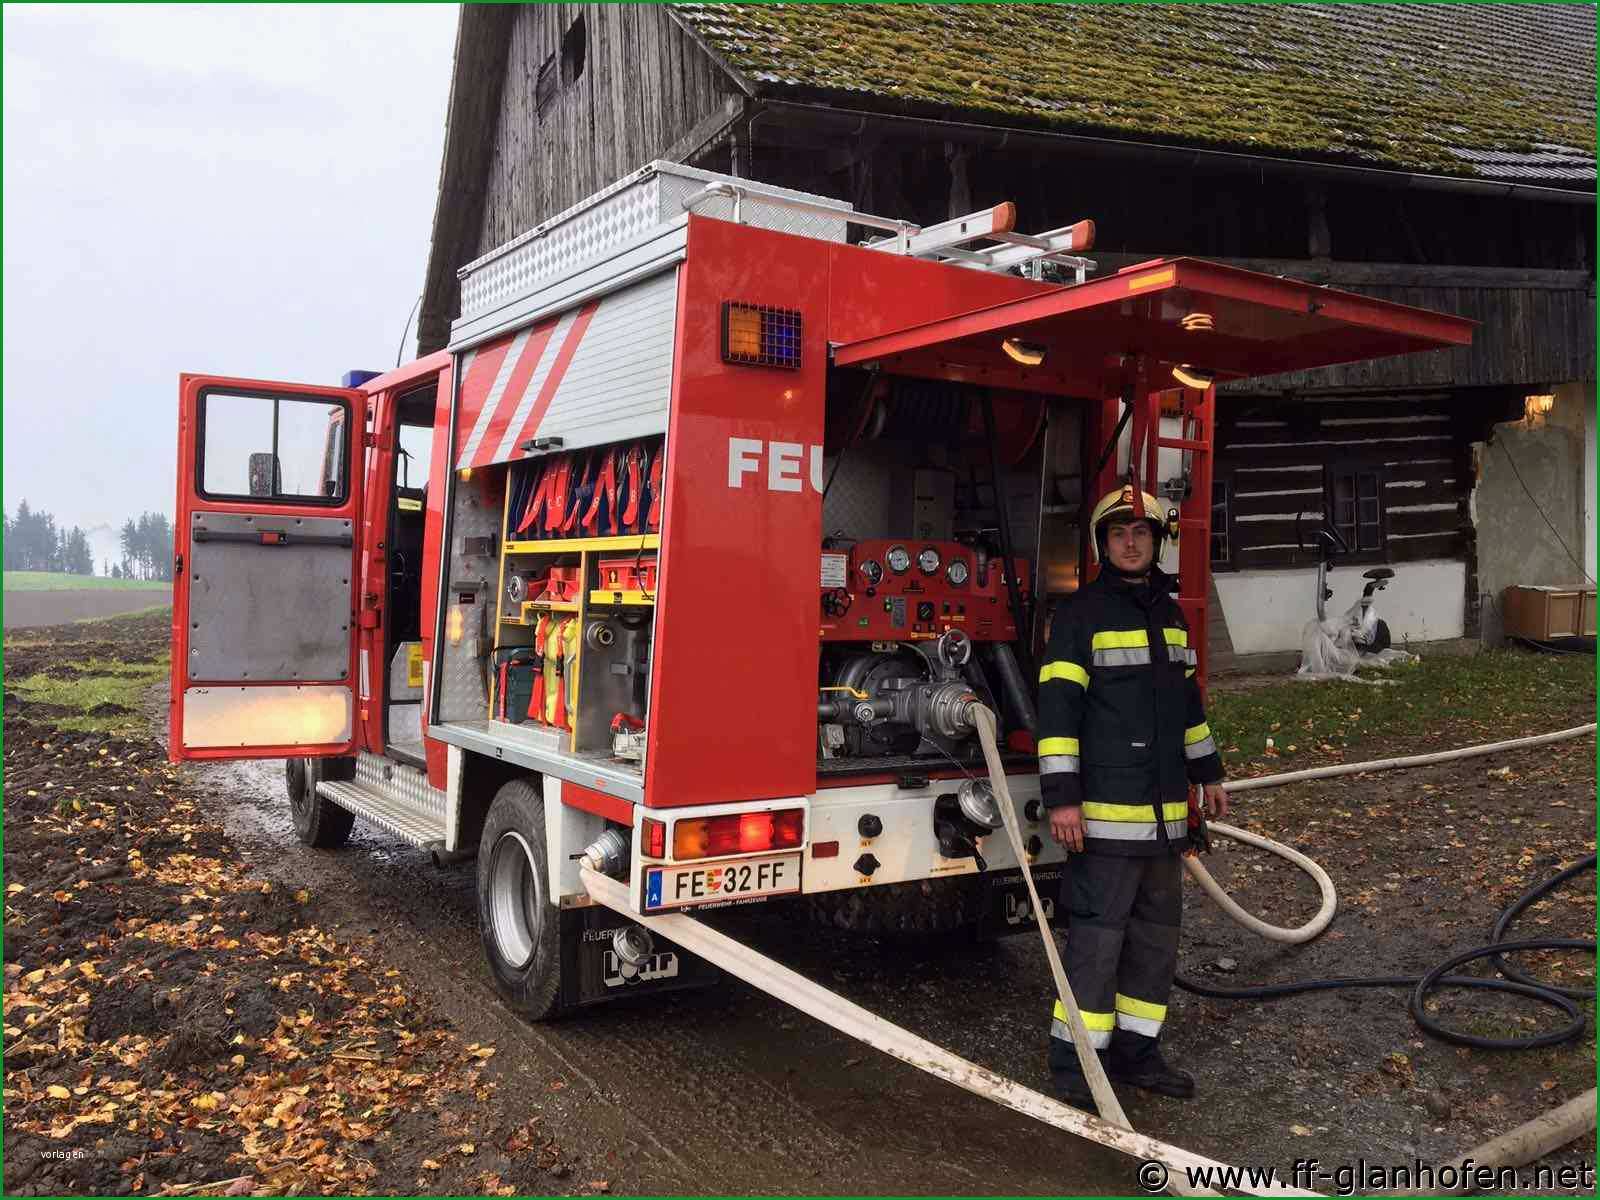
x,y
318,822
915,909
520,927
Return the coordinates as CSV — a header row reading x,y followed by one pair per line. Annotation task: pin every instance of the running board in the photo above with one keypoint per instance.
x,y
394,797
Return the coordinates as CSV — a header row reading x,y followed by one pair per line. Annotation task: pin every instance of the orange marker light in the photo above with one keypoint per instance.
x,y
689,839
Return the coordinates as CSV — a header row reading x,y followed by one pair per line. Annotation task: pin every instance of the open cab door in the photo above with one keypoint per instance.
x,y
265,580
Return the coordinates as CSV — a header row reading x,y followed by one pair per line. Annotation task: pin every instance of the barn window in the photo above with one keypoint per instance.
x,y
544,89
1354,496
1221,510
574,48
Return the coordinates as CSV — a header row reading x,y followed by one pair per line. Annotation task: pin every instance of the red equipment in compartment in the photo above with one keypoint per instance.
x,y
902,589
565,584
636,573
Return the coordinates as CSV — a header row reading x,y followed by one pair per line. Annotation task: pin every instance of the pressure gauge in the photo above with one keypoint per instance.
x,y
956,572
929,561
872,572
899,559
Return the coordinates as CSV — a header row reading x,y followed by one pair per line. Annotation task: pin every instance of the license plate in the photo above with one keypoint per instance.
x,y
720,883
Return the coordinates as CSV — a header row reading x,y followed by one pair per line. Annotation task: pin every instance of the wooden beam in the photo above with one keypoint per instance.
x,y
1348,274
699,139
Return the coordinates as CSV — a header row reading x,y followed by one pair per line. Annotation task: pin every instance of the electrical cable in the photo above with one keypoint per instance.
x,y
1552,648
866,397
1506,450
401,348
1517,981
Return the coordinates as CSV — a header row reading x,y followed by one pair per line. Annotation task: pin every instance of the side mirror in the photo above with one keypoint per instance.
x,y
264,474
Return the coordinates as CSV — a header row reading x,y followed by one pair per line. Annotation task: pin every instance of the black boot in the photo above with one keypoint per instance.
x,y
1067,1080
1136,1060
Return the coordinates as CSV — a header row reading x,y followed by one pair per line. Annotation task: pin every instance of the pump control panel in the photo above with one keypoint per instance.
x,y
905,590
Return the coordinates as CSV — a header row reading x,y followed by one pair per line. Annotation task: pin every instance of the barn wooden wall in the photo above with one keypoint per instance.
x,y
1534,328
1274,456
644,84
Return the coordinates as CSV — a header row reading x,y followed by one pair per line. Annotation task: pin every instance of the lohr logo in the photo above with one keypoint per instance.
x,y
781,472
617,973
1019,911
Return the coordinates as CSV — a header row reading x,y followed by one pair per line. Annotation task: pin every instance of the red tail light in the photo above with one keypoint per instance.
x,y
736,833
655,838
755,832
788,828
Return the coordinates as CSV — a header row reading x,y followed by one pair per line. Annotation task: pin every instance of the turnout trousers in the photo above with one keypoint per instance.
x,y
1123,914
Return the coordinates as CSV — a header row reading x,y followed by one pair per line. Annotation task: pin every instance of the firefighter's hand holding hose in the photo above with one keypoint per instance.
x,y
1216,801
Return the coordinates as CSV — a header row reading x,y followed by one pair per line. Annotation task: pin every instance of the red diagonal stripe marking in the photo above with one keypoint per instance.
x,y
474,390
515,387
558,371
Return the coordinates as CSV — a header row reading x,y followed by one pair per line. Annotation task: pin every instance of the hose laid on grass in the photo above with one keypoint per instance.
x,y
1410,760
1516,981
1275,933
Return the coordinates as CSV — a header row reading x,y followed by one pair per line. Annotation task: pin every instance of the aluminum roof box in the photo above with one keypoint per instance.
x,y
594,228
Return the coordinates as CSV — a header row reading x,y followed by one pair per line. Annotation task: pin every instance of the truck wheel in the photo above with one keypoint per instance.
x,y
318,822
521,928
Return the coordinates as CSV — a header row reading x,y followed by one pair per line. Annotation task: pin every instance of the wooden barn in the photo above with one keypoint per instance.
x,y
1436,155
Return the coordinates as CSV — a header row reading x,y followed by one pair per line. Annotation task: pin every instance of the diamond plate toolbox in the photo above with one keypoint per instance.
x,y
652,196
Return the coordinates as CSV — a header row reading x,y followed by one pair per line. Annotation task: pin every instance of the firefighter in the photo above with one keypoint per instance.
x,y
1122,741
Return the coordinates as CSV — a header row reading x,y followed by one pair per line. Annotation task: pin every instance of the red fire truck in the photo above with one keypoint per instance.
x,y
693,553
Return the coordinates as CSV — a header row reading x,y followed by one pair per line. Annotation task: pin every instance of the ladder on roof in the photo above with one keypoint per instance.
x,y
953,241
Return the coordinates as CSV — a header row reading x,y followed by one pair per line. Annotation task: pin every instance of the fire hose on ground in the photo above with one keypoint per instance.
x,y
1112,1128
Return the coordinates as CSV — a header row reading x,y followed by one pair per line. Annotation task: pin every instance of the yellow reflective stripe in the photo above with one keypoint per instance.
x,y
1098,810
1140,1008
1196,733
1095,1021
1058,745
1119,639
1189,673
1069,671
1175,637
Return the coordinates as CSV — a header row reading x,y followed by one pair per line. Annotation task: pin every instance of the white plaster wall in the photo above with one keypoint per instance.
x,y
1266,610
1588,491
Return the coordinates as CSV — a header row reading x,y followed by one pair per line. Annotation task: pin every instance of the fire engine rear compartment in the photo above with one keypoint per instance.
x,y
877,430
553,625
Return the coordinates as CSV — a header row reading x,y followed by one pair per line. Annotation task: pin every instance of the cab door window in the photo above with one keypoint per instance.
x,y
269,448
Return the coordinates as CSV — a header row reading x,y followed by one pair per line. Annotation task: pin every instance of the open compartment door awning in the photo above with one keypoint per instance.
x,y
1229,322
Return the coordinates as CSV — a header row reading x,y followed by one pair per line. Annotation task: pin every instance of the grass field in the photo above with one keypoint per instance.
x,y
102,696
56,581
1443,701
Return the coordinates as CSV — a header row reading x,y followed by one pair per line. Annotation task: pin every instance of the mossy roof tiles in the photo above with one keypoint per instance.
x,y
1487,90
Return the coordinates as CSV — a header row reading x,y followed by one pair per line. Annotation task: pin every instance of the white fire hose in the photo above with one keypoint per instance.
x,y
1112,1128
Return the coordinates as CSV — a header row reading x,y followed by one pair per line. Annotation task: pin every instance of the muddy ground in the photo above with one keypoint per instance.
x,y
352,990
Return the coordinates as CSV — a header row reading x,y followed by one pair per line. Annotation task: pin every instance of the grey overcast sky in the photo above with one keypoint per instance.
x,y
243,190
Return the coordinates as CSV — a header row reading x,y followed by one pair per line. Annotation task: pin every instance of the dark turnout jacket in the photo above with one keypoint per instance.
x,y
1122,729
